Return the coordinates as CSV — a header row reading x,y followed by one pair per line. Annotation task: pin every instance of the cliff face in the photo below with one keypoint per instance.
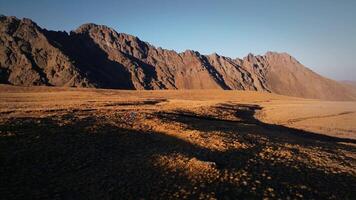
x,y
97,56
28,58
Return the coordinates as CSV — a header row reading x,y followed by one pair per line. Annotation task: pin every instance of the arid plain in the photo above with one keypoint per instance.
x,y
209,144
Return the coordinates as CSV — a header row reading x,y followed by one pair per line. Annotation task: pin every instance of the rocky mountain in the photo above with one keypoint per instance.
x,y
98,56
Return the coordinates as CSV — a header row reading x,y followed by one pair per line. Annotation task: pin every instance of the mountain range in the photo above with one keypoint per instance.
x,y
98,56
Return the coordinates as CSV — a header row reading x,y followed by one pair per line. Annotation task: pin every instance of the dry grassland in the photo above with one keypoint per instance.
x,y
64,143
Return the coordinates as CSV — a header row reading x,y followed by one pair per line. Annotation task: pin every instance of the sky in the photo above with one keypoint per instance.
x,y
321,34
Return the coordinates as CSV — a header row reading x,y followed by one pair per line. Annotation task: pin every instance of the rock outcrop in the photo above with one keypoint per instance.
x,y
28,58
98,56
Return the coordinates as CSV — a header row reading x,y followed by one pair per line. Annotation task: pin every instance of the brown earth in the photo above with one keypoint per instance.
x,y
352,83
67,143
98,56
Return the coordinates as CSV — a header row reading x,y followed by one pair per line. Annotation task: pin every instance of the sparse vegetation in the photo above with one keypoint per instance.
x,y
65,143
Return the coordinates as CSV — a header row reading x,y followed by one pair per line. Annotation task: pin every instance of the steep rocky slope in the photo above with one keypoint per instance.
x,y
98,56
28,58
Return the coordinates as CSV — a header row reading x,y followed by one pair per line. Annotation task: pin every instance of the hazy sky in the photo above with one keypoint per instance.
x,y
321,34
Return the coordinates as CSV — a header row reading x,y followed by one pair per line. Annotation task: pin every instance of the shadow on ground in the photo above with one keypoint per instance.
x,y
89,158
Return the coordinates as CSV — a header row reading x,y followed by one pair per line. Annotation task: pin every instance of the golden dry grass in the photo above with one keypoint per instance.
x,y
87,143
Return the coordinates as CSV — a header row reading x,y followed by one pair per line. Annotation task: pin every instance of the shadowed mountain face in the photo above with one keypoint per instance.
x,y
97,56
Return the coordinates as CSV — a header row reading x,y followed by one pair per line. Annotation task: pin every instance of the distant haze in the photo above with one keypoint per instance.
x,y
320,34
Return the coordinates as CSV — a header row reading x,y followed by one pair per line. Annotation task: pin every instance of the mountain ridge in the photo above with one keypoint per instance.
x,y
98,56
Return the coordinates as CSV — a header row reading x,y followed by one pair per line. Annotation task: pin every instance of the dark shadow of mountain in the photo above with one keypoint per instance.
x,y
91,60
247,121
89,158
214,73
149,71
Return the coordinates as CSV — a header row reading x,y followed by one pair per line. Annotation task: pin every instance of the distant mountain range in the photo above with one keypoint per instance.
x,y
97,56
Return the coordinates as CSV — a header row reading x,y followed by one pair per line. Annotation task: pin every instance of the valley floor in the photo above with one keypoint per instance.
x,y
66,143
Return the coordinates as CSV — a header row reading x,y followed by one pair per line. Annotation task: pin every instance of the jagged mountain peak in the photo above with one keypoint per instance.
x,y
98,56
89,27
11,24
275,53
250,57
214,55
278,55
